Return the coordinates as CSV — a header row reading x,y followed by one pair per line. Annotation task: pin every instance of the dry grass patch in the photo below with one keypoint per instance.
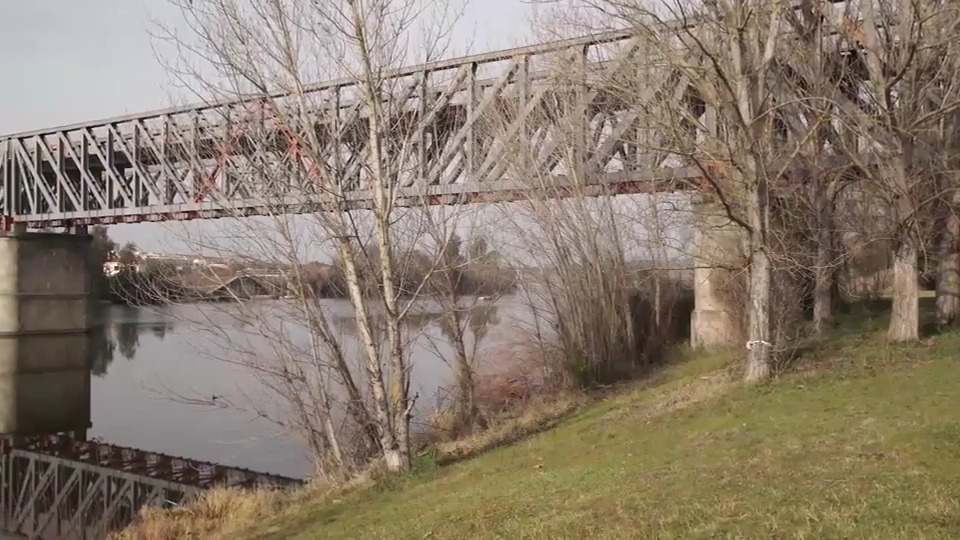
x,y
686,395
225,512
213,514
532,418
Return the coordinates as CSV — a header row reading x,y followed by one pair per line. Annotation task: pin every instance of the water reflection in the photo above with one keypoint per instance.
x,y
478,318
115,385
44,388
44,384
118,331
137,363
58,484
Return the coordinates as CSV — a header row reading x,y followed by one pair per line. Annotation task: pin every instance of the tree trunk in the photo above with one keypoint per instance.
x,y
823,290
397,457
948,273
905,316
823,301
371,362
466,406
759,292
319,331
657,304
758,333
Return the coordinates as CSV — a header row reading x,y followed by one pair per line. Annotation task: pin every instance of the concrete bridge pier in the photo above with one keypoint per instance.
x,y
45,317
719,276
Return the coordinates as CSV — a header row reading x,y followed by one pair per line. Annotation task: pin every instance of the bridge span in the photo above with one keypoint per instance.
x,y
200,161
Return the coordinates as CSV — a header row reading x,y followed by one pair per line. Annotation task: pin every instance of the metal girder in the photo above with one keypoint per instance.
x,y
223,159
178,470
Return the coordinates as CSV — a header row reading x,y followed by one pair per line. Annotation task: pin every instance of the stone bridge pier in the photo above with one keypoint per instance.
x,y
45,318
720,276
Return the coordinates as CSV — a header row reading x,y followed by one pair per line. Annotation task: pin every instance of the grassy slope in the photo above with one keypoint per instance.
x,y
862,440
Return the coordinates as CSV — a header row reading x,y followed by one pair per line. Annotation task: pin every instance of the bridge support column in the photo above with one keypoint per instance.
x,y
45,315
45,283
719,246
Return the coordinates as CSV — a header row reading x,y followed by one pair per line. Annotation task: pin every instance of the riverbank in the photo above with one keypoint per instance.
x,y
858,438
158,285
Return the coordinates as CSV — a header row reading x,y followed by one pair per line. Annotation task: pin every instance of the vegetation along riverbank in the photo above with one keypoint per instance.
x,y
854,438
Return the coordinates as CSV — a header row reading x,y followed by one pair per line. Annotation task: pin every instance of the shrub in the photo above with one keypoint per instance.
x,y
609,324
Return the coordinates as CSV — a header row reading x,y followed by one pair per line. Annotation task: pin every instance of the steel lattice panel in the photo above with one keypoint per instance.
x,y
463,118
208,161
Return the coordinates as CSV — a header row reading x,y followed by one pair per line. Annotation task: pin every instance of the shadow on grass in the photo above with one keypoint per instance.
x,y
873,315
858,340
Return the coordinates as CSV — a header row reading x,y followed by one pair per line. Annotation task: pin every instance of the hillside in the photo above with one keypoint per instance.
x,y
858,439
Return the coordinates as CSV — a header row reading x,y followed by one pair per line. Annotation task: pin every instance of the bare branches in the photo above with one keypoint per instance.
x,y
295,145
907,85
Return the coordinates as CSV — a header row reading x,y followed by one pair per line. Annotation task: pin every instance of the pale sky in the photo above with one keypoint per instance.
x,y
67,61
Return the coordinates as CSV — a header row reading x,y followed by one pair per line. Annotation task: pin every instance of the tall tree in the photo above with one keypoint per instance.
x,y
721,113
321,146
815,69
948,219
905,56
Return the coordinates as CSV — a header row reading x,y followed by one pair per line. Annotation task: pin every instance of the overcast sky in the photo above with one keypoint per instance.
x,y
67,61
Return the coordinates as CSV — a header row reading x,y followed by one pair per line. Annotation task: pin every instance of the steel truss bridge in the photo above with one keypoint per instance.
x,y
202,161
54,486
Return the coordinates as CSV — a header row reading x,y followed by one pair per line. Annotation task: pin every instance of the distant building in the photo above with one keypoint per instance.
x,y
111,268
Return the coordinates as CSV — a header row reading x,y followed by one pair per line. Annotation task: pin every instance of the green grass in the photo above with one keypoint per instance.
x,y
860,440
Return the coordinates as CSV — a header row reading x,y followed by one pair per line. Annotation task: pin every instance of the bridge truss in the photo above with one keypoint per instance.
x,y
196,162
57,487
208,160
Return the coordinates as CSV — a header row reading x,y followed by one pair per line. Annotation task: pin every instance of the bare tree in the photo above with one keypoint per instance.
x,y
284,146
948,254
904,57
457,294
596,270
814,70
722,114
948,219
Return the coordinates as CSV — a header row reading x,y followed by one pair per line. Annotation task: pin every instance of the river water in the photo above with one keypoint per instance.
x,y
158,375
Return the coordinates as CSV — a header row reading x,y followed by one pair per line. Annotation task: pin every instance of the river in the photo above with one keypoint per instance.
x,y
152,367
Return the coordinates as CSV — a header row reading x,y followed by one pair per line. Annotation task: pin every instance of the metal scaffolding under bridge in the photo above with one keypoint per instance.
x,y
196,162
56,487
